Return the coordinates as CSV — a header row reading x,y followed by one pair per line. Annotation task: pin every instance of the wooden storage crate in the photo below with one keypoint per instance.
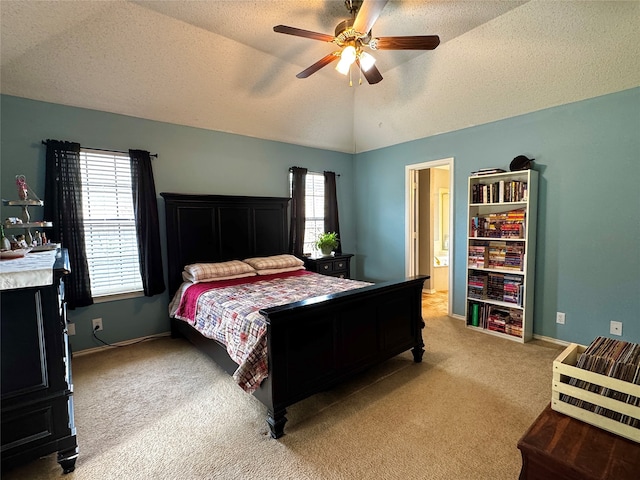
x,y
564,368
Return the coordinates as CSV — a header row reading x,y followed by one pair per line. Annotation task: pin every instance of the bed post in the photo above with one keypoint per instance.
x,y
276,420
418,350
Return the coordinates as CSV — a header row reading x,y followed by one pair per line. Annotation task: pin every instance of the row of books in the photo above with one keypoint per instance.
x,y
497,254
510,224
495,318
613,358
503,191
496,286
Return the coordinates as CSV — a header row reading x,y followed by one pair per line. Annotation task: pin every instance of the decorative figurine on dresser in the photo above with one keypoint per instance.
x,y
37,390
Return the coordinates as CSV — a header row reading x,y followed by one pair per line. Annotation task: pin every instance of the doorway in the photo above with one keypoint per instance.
x,y
429,247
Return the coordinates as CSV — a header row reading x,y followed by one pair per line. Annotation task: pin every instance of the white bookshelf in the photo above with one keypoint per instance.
x,y
501,246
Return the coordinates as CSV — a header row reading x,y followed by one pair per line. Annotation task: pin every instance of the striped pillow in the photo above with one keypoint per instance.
x,y
269,271
210,272
274,262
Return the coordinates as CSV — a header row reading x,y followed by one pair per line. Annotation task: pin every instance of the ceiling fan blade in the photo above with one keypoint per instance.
x,y
368,14
418,42
298,32
323,62
372,75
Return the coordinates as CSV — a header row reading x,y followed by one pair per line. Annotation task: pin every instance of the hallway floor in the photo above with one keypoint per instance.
x,y
435,304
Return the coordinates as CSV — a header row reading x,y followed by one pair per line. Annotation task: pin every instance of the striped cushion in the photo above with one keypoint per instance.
x,y
209,272
270,271
273,262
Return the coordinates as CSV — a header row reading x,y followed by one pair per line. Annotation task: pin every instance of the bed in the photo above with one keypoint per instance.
x,y
312,344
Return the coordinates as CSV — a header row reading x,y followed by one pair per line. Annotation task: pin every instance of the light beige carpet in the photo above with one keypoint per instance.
x,y
162,410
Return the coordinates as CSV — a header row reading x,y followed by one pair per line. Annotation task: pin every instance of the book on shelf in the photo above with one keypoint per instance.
x,y
495,286
478,256
501,287
477,314
512,289
505,320
488,171
502,191
497,254
477,285
509,224
514,257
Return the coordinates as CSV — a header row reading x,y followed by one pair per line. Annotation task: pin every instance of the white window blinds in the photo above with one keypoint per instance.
x,y
314,209
109,223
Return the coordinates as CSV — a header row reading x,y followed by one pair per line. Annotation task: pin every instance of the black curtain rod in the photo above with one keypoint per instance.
x,y
107,150
291,170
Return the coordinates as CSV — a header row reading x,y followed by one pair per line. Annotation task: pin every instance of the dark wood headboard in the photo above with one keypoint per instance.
x,y
218,228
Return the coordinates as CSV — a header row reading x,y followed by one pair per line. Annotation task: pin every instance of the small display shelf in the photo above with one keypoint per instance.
x,y
26,224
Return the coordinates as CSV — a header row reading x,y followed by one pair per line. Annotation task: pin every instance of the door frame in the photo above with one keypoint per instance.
x,y
411,215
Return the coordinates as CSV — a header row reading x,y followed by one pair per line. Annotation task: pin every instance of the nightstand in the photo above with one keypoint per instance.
x,y
334,265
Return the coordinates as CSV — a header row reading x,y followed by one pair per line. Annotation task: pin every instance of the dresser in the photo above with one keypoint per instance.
x,y
37,389
337,265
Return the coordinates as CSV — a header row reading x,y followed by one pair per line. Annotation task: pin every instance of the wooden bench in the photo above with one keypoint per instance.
x,y
557,446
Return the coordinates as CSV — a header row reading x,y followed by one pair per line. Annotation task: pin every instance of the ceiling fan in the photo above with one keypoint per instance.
x,y
353,35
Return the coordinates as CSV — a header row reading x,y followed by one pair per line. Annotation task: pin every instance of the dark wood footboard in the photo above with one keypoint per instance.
x,y
317,343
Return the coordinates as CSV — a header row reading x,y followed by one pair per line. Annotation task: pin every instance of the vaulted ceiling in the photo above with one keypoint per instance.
x,y
218,64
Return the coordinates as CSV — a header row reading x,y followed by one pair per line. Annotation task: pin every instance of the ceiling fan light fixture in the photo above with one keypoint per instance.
x,y
349,54
343,66
347,57
366,61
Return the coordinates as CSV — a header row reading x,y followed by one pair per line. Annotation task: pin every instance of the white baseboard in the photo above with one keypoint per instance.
x,y
89,351
550,340
536,336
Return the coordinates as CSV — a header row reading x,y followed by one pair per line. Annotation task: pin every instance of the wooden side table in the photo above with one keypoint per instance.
x,y
337,265
562,447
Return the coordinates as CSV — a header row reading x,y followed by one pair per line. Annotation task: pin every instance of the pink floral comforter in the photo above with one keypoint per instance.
x,y
228,311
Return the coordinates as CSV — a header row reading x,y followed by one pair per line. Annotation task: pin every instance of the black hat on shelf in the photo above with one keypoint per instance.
x,y
520,163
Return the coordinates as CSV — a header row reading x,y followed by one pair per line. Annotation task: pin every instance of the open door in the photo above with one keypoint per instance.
x,y
429,239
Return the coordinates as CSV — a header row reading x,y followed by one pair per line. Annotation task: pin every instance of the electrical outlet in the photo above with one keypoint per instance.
x,y
615,328
97,324
71,328
560,318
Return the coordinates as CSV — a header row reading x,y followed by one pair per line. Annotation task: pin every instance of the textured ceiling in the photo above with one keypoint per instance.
x,y
218,64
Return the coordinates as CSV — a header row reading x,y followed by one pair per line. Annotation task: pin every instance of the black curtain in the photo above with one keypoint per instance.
x,y
145,207
296,229
63,206
331,222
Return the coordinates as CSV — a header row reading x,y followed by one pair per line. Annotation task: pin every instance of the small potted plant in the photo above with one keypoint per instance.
x,y
327,242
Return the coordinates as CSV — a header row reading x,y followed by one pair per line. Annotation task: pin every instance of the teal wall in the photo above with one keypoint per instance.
x,y
190,160
588,243
587,153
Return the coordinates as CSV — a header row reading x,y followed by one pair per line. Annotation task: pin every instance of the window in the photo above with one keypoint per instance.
x,y
109,223
314,209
